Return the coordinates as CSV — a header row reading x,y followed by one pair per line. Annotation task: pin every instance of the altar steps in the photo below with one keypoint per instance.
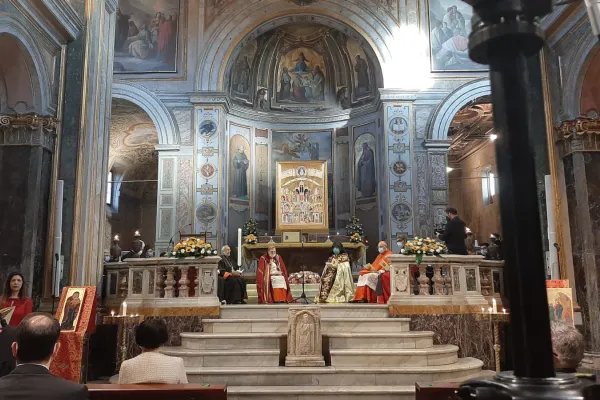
x,y
321,393
328,325
240,357
464,369
229,341
432,356
275,311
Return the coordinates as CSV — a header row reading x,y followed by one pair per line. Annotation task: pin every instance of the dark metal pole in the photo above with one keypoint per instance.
x,y
524,260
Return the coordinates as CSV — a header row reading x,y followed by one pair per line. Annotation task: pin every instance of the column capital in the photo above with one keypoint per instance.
x,y
167,147
578,135
393,95
437,145
28,130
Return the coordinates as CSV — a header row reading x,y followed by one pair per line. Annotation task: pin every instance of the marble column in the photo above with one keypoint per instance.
x,y
90,176
579,145
27,144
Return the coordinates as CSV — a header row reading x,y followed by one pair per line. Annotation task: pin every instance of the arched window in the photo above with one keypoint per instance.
x,y
488,185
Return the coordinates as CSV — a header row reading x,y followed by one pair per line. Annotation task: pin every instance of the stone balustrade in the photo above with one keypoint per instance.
x,y
451,280
154,283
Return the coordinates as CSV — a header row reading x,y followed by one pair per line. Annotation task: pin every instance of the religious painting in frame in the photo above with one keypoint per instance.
x,y
146,36
71,310
449,29
560,305
301,195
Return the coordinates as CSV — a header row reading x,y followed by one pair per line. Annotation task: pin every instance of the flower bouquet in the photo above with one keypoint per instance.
x,y
420,247
251,239
193,248
309,277
355,238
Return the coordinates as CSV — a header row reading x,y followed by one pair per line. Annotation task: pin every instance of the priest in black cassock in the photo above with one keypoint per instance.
x,y
232,286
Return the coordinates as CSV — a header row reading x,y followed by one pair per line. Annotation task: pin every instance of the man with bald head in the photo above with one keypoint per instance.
x,y
233,284
36,345
369,276
272,284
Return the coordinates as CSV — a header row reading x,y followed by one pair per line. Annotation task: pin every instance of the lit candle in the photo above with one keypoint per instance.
x,y
494,305
112,313
504,310
124,305
482,309
490,310
239,247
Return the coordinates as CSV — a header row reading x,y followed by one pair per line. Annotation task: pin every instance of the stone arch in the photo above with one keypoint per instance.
x,y
443,115
168,131
32,53
573,86
227,32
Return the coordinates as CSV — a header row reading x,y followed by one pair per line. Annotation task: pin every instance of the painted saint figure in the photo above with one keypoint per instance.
x,y
365,174
70,312
336,279
240,168
301,64
318,83
286,85
272,284
242,76
362,75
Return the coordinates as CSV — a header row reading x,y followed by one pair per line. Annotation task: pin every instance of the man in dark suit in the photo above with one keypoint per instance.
x,y
454,233
36,344
7,337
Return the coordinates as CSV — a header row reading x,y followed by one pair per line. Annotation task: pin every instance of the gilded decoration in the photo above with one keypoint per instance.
x,y
32,121
28,130
581,134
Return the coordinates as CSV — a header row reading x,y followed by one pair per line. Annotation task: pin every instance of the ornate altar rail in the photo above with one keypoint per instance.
x,y
163,286
459,284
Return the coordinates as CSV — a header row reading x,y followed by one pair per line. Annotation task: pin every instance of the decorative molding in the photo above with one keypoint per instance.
x,y
111,5
443,115
32,121
67,16
167,128
398,95
579,135
28,130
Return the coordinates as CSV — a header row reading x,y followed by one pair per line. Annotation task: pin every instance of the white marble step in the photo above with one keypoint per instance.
x,y
229,358
321,393
464,369
231,341
279,325
249,311
402,340
433,356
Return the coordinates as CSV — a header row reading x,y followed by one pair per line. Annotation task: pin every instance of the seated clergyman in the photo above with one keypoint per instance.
x,y
232,286
369,275
272,284
567,347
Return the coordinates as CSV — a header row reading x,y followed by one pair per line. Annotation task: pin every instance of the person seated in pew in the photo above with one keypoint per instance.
x,y
369,276
336,281
151,366
233,284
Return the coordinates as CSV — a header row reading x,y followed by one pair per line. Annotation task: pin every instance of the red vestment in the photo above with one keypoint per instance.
x,y
264,288
165,36
385,287
365,290
22,308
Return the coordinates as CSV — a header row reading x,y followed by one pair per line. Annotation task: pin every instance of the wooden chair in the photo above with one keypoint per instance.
x,y
157,392
436,391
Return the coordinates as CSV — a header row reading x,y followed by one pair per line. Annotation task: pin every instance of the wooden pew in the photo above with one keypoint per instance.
x,y
436,391
157,392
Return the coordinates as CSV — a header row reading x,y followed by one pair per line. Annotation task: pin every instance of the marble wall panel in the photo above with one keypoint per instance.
x,y
183,116
343,175
473,337
185,196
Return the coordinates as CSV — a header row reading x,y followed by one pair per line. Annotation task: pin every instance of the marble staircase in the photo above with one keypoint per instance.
x,y
369,356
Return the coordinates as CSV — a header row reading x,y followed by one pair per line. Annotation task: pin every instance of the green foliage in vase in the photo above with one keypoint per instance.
x,y
354,227
250,228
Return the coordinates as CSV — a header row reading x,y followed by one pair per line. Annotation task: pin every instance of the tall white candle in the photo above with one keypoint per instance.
x,y
494,305
239,247
124,308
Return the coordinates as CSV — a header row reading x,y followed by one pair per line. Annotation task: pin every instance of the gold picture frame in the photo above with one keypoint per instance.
x,y
71,311
302,197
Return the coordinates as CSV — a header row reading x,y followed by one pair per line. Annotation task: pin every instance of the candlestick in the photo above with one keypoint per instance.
x,y
124,306
494,305
112,313
239,260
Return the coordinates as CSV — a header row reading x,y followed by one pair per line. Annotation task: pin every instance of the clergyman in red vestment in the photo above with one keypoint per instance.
x,y
272,284
369,275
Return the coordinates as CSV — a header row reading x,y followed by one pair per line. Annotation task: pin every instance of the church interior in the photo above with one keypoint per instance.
x,y
281,182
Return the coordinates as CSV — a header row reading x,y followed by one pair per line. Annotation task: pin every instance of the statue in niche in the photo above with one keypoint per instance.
x,y
262,101
306,334
301,64
365,177
240,181
343,99
318,82
286,85
362,75
241,81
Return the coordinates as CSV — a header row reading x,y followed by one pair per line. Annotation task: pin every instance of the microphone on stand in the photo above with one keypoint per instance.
x,y
171,242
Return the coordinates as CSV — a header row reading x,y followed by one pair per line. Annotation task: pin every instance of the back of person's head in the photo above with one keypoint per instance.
x,y
151,334
451,210
567,345
37,335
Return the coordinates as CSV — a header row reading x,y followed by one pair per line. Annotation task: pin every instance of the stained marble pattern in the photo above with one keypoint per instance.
x,y
474,338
